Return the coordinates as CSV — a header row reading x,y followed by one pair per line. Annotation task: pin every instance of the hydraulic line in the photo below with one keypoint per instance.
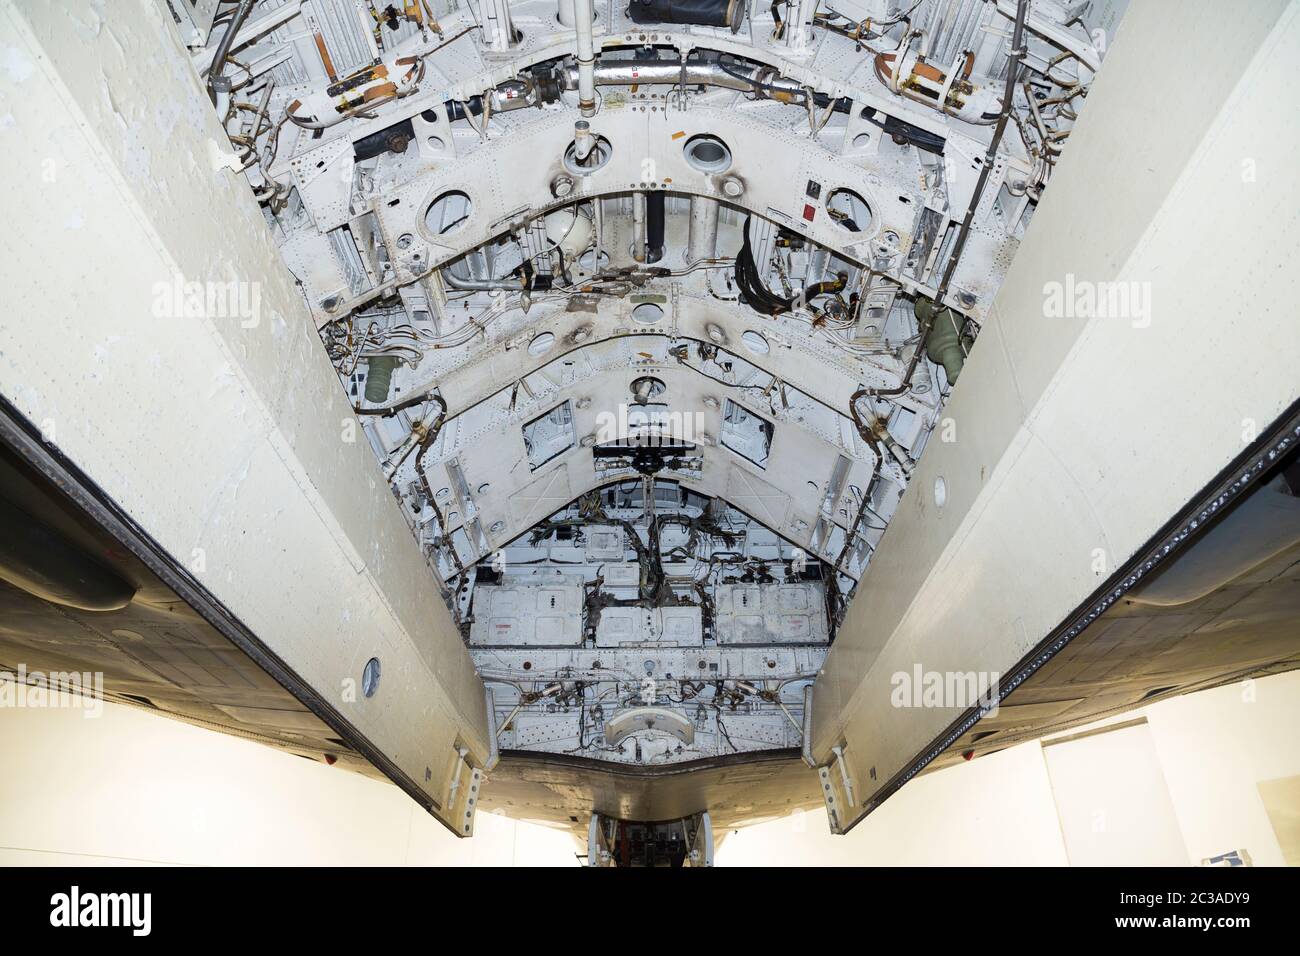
x,y
216,80
426,442
1013,70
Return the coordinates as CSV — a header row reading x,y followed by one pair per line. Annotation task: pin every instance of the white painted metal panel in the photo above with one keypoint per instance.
x,y
524,615
224,436
1068,449
624,626
771,614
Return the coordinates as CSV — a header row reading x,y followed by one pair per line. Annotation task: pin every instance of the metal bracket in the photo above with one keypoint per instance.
x,y
837,791
463,794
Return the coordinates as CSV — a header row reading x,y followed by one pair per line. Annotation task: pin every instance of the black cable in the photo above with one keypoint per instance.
x,y
912,135
757,295
758,87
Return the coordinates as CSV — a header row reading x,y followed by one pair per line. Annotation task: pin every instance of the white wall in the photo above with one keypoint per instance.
x,y
990,811
1213,748
134,787
1122,817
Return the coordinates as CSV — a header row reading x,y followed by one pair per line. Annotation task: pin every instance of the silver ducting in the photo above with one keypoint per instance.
x,y
702,241
664,73
481,285
638,227
583,13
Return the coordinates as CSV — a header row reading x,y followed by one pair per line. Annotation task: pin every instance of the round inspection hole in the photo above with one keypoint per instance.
x,y
600,154
862,141
848,210
435,142
647,313
541,344
755,343
707,153
647,388
370,677
448,213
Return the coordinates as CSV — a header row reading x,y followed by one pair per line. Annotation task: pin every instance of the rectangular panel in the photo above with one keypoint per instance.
x,y
1112,800
771,614
604,543
622,626
1282,804
547,615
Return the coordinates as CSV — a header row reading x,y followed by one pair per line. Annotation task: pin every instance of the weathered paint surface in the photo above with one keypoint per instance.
x,y
226,436
1077,438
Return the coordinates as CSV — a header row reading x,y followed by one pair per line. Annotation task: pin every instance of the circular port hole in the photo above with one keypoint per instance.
x,y
848,210
600,154
646,388
541,344
370,677
647,313
755,343
448,213
707,153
